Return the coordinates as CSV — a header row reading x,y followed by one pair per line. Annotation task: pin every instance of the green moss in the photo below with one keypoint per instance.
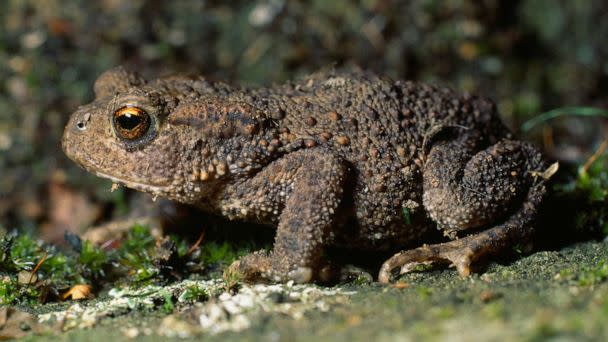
x,y
587,275
168,305
590,188
604,309
9,291
494,310
222,253
231,279
194,293
595,180
594,275
424,292
139,260
543,331
517,248
445,312
135,255
361,279
406,215
93,259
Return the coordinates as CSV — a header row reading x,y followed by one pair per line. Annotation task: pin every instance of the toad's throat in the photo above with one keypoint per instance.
x,y
156,189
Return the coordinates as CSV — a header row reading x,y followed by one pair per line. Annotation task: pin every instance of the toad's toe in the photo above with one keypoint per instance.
x,y
300,275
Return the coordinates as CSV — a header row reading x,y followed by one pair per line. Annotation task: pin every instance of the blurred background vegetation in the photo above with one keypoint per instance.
x,y
529,55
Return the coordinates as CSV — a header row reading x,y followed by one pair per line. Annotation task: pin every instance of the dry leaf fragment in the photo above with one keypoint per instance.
x,y
78,292
548,173
401,285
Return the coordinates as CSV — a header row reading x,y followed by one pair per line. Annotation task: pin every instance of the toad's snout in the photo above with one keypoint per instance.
x,y
78,133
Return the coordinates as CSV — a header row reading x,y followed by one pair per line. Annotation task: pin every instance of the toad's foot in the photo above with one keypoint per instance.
x,y
259,266
463,252
460,253
262,266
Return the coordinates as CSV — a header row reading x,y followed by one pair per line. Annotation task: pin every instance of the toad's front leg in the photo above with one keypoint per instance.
x,y
302,191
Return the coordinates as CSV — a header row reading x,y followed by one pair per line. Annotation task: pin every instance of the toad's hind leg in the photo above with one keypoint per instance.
x,y
465,191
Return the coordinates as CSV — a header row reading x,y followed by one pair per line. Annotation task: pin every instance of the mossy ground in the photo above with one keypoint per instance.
x,y
549,294
33,272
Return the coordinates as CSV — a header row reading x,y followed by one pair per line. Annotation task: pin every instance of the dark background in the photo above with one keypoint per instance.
x,y
529,55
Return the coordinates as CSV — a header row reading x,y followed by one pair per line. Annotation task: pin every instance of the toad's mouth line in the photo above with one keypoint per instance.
x,y
145,187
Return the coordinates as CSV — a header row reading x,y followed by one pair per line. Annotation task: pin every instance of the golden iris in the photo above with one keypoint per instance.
x,y
131,123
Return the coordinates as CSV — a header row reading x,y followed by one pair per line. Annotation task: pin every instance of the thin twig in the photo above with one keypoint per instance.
x,y
197,243
46,253
598,153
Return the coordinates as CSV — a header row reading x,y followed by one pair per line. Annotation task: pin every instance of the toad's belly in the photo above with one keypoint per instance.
x,y
382,213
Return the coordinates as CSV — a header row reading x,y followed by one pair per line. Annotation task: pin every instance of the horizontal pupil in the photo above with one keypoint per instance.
x,y
129,121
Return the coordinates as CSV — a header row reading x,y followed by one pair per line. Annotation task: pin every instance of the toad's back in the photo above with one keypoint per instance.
x,y
379,127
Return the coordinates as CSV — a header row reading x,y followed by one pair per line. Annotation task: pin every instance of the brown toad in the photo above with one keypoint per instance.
x,y
344,159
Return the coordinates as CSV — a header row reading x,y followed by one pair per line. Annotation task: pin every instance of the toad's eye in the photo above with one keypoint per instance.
x,y
131,123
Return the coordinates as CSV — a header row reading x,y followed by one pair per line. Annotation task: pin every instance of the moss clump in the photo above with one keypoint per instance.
x,y
594,183
32,271
136,255
594,275
588,190
194,293
587,275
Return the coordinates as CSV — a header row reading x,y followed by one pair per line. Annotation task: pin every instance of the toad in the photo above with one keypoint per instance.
x,y
339,158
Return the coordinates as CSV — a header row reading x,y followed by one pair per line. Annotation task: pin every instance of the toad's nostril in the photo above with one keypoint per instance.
x,y
82,123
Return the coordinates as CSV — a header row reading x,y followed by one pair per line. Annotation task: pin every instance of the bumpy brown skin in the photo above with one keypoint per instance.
x,y
333,160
